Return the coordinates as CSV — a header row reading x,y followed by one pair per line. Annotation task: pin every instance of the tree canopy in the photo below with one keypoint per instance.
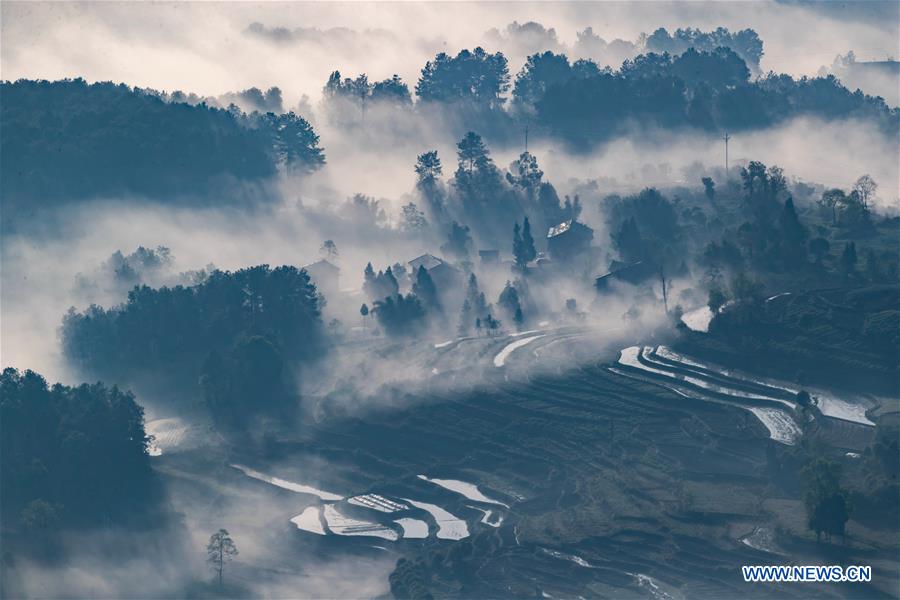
x,y
69,139
71,456
166,334
476,77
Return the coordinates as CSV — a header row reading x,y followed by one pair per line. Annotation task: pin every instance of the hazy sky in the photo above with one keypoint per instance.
x,y
203,47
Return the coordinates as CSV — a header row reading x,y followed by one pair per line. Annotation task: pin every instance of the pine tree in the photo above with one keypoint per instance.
x,y
219,550
509,300
393,287
369,281
425,289
793,234
519,247
528,242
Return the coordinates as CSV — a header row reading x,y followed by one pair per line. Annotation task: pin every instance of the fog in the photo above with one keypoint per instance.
x,y
206,48
170,561
41,270
67,258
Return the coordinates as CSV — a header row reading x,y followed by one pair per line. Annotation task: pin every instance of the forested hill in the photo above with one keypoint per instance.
x,y
68,139
708,91
584,104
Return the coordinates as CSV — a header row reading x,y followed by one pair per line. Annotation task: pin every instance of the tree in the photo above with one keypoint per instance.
x,y
425,290
428,172
827,504
571,208
364,311
220,550
476,77
369,280
164,334
518,317
709,188
413,219
470,150
191,146
830,200
359,92
391,90
848,258
428,167
719,69
853,213
528,242
294,141
391,283
793,234
804,399
245,381
363,209
865,188
539,72
400,315
459,242
509,301
819,248
518,248
329,249
526,174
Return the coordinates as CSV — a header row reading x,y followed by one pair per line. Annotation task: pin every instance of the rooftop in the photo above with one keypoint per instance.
x,y
428,261
559,229
321,265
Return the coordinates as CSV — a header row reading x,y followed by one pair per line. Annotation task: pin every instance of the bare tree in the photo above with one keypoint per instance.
x,y
219,550
865,187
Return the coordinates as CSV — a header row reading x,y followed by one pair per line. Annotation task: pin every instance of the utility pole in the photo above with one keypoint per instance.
x,y
662,278
726,138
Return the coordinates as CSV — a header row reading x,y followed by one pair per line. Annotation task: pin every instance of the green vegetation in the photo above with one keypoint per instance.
x,y
220,550
827,506
71,456
238,333
68,140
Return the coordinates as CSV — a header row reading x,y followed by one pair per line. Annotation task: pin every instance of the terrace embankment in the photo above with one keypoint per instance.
x,y
614,484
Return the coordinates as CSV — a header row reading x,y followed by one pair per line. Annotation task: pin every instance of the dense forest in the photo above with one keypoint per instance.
x,y
239,334
71,455
70,139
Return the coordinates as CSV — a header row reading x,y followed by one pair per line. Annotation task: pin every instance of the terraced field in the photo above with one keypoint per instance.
x,y
646,477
